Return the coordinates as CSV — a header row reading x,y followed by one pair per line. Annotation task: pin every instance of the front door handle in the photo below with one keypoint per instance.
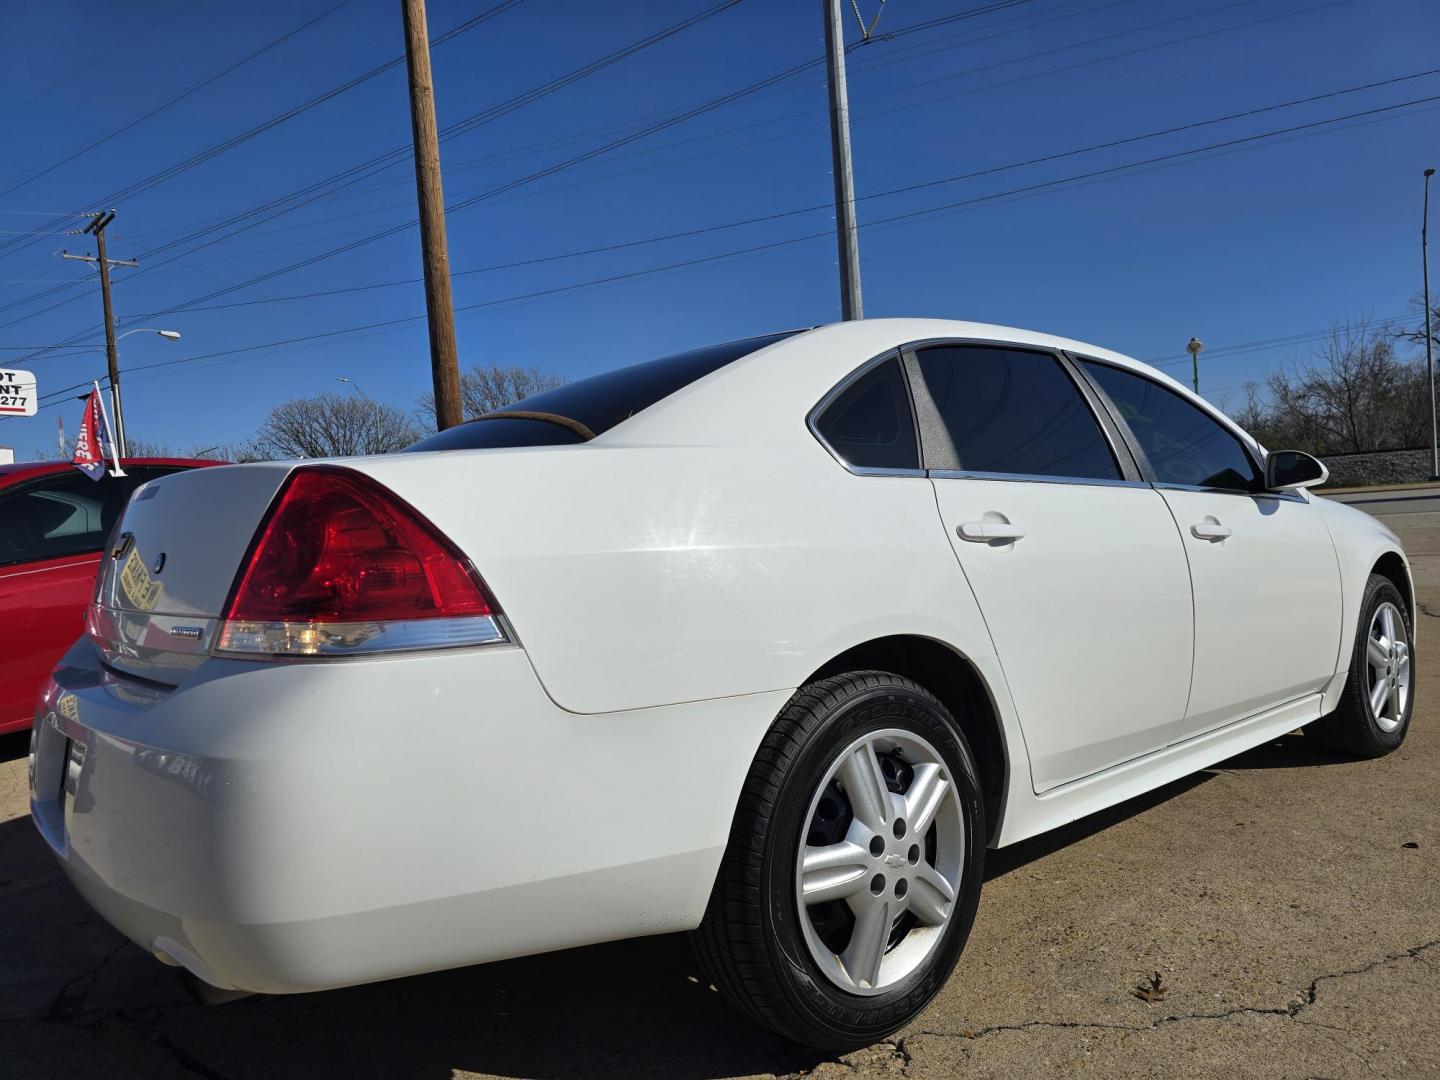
x,y
990,532
1209,530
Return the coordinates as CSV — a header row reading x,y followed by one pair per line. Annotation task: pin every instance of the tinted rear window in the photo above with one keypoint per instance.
x,y
869,423
599,402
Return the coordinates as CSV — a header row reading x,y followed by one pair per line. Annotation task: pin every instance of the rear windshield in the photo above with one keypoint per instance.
x,y
599,402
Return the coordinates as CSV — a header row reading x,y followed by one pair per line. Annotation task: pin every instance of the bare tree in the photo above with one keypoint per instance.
x,y
486,388
219,452
1358,396
333,426
1416,334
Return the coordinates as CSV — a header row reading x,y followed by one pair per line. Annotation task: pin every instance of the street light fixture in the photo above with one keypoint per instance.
x,y
119,412
1193,347
353,385
168,335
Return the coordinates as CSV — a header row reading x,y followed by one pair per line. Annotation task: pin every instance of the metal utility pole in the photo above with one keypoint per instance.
x,y
1429,337
439,306
1193,347
103,262
851,305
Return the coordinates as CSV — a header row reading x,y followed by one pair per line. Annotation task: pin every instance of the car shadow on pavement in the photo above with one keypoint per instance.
x,y
1001,861
14,746
1292,751
635,1008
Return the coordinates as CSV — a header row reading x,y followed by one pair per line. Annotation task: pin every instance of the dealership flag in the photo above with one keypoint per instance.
x,y
94,439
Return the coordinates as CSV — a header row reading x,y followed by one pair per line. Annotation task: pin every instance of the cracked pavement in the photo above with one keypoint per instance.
x,y
1289,901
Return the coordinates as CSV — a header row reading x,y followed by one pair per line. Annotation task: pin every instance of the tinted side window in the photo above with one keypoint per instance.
x,y
68,514
1185,444
1013,411
870,424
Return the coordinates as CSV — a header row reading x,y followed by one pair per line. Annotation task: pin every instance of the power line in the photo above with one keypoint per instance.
x,y
796,211
491,193
898,219
867,116
756,249
379,163
1044,53
860,117
471,122
90,64
171,171
401,153
1264,344
196,88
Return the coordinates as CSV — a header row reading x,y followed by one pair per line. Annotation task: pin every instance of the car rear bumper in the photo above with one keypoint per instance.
x,y
282,827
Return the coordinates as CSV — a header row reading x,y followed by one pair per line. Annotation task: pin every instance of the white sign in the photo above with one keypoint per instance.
x,y
17,393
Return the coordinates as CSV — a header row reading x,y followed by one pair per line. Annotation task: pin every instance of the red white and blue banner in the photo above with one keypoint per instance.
x,y
93,440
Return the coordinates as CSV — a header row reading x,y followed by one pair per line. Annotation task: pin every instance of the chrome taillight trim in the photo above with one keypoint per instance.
x,y
281,640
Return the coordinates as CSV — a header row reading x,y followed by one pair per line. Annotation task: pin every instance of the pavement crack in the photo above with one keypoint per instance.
x,y
1303,1000
1313,991
70,1000
186,1060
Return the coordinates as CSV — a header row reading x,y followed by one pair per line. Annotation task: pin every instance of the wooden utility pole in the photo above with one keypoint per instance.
x,y
851,305
103,262
439,305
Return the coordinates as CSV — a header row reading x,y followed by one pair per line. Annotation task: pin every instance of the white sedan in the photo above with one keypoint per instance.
x,y
767,641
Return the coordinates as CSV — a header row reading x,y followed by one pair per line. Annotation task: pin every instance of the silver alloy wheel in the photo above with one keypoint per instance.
x,y
1387,656
887,869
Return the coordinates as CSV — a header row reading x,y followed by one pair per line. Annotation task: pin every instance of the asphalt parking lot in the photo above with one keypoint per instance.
x,y
1288,900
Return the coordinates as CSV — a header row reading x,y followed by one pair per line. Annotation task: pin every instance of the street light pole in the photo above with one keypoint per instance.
x,y
851,305
1193,347
1429,338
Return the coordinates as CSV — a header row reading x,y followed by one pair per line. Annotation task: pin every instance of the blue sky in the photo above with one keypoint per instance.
x,y
1269,239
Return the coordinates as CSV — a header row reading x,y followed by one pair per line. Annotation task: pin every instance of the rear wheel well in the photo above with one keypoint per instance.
x,y
1392,567
952,679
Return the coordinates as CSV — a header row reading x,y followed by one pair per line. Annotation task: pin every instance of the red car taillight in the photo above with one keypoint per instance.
x,y
342,566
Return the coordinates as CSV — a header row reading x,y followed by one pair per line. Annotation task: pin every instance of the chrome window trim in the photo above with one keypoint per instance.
x,y
912,348
1028,478
813,416
863,470
1288,496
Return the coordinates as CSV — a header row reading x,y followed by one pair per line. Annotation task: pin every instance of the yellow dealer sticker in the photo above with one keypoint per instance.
x,y
138,590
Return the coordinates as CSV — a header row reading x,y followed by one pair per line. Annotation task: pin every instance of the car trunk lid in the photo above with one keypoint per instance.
x,y
170,564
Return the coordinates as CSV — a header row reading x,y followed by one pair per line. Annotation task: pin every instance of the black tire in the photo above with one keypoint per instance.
x,y
751,944
1352,728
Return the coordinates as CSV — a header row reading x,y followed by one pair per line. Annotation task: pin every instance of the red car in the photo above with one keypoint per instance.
x,y
54,520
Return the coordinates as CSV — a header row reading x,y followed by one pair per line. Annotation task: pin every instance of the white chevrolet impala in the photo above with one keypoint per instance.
x,y
767,641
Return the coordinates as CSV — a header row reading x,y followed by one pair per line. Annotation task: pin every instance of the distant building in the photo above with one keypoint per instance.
x,y
7,455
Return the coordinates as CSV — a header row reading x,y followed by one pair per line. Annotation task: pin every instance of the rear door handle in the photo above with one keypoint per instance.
x,y
1209,530
989,532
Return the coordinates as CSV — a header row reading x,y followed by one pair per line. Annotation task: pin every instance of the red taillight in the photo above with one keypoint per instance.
x,y
342,565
